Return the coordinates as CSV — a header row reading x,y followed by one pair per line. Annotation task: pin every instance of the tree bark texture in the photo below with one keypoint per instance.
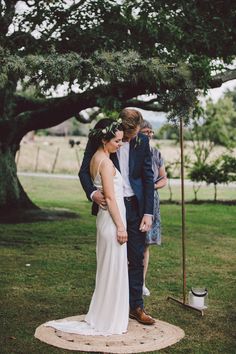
x,y
12,194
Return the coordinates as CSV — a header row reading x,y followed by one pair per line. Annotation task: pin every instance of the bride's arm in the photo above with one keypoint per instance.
x,y
107,175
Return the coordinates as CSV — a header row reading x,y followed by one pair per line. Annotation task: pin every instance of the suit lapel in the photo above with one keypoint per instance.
x,y
131,155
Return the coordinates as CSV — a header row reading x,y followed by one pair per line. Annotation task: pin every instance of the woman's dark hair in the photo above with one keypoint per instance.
x,y
104,129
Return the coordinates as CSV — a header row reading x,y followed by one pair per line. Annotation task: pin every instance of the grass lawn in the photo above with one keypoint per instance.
x,y
48,270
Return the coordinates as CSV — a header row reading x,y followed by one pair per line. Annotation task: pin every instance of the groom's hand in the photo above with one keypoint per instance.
x,y
98,198
146,223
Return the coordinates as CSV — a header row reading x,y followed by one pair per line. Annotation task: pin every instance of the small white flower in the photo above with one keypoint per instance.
x,y
104,131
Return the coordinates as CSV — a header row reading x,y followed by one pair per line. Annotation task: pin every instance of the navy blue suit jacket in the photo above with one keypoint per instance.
x,y
140,173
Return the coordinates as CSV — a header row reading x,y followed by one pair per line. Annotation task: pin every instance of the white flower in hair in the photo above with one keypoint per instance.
x,y
104,131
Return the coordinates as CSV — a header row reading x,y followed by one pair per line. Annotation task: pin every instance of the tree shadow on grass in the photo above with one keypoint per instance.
x,y
35,215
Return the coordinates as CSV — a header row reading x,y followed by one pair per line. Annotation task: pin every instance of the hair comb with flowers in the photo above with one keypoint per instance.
x,y
112,128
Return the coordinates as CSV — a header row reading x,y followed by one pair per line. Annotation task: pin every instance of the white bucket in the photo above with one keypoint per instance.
x,y
198,298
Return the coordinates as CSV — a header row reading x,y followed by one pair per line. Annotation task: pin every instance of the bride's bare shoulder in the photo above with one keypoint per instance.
x,y
104,164
107,168
99,163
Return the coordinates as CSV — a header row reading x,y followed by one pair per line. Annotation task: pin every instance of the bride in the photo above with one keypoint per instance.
x,y
109,308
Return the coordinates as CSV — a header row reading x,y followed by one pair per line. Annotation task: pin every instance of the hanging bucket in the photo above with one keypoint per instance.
x,y
198,298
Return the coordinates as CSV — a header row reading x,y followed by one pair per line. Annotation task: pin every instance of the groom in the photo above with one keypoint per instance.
x,y
133,160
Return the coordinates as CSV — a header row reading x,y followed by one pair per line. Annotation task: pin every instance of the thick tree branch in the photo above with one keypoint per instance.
x,y
6,20
21,39
219,79
47,113
151,105
93,115
61,109
23,104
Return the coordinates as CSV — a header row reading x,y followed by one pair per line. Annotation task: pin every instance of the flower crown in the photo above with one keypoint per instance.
x,y
112,128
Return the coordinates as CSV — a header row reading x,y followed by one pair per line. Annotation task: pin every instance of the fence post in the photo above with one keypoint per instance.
x,y
77,157
37,159
55,160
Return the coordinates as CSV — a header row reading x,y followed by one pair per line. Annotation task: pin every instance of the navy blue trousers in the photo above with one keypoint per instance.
x,y
135,249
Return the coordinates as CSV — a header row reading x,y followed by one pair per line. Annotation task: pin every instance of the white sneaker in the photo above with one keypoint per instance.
x,y
146,292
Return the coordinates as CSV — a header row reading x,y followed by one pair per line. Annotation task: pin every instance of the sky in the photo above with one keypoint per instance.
x,y
159,117
216,93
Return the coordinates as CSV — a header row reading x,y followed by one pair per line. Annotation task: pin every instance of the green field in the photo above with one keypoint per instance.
x,y
48,270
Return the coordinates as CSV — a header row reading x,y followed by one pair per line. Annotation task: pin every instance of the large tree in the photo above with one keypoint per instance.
x,y
109,53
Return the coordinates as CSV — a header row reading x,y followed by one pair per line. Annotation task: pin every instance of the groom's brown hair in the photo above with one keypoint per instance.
x,y
131,118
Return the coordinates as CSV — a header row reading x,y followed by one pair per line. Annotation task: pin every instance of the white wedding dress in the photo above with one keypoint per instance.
x,y
109,308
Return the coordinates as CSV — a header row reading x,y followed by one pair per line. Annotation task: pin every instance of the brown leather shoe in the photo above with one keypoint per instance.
x,y
139,315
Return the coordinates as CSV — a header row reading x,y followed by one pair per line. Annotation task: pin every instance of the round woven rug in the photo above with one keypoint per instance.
x,y
139,338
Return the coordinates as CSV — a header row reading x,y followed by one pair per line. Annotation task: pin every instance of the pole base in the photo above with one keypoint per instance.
x,y
185,305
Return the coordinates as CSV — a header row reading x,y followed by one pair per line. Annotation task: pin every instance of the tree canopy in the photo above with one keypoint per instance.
x,y
108,53
117,50
215,124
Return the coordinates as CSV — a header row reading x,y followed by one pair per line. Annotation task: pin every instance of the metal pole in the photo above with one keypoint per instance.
x,y
183,209
183,302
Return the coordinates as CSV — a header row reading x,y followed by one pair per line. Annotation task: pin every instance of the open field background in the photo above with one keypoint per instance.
x,y
48,270
48,154
54,154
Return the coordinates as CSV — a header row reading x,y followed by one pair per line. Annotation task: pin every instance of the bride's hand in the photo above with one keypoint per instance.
x,y
122,236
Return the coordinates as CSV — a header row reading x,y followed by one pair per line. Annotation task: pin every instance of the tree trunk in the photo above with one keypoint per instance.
x,y
195,190
170,190
195,194
215,193
12,194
